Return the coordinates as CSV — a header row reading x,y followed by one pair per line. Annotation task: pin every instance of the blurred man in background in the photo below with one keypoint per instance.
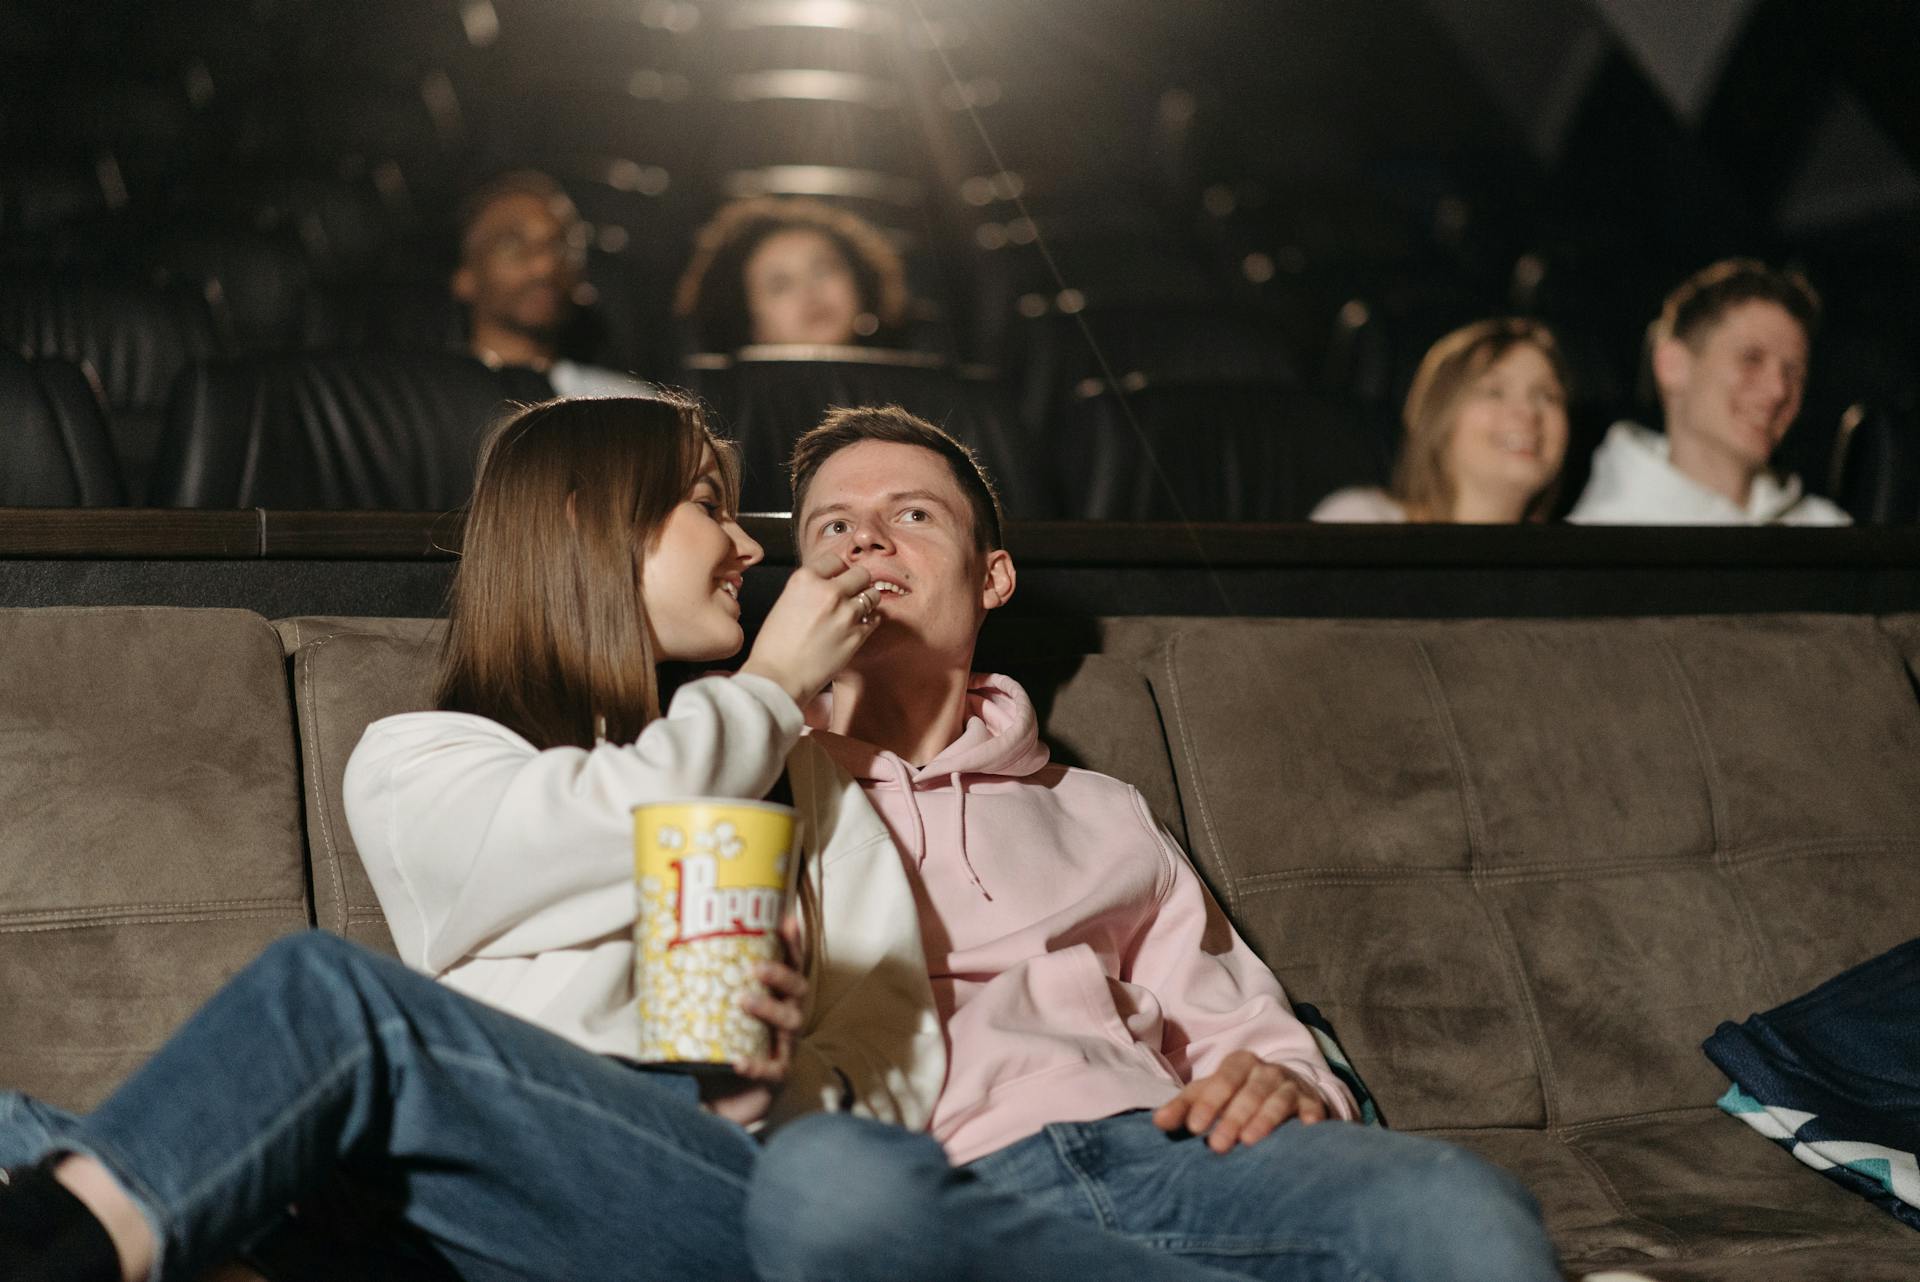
x,y
522,250
1730,358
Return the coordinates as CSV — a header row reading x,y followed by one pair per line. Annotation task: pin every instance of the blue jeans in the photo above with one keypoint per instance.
x,y
1119,1198
519,1154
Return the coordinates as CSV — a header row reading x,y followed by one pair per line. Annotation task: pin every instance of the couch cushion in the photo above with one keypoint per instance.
x,y
300,629
1905,631
1686,1196
1527,867
341,683
149,830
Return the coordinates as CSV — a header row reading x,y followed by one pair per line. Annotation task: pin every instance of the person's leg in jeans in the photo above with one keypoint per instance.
x,y
522,1155
1307,1204
836,1198
1327,1201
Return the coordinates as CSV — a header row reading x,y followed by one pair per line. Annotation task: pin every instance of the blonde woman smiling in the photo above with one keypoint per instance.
x,y
1486,433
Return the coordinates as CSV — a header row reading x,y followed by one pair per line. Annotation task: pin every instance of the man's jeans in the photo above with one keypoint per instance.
x,y
520,1155
1118,1198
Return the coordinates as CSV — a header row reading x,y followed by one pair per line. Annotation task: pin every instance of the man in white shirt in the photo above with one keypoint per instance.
x,y
522,249
1730,358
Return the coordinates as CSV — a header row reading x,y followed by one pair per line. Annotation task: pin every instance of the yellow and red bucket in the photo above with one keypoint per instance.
x,y
712,878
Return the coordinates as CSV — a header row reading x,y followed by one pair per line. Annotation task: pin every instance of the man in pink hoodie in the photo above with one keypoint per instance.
x,y
1127,1087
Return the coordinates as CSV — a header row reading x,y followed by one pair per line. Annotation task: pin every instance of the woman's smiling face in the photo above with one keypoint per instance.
x,y
691,575
1510,426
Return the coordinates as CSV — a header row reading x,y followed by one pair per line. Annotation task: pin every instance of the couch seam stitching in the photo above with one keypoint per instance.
x,y
142,919
1573,1128
1509,948
1229,883
1262,882
58,914
317,798
1456,754
1607,1186
1600,1124
1710,775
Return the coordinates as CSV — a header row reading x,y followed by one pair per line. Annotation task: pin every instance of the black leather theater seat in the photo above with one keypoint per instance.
x,y
342,430
53,437
1876,465
136,338
1154,451
766,397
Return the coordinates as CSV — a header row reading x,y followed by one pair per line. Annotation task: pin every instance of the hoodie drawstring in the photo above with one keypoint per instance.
x,y
905,785
960,832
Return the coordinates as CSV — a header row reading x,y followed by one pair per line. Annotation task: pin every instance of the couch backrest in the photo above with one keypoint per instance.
x,y
1096,712
149,831
342,682
1526,867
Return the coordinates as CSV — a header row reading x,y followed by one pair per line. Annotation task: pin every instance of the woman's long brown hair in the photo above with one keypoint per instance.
x,y
547,631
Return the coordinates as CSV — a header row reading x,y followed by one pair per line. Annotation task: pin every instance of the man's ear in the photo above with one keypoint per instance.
x,y
463,285
996,587
1672,366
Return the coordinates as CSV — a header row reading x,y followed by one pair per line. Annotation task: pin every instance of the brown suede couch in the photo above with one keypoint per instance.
x,y
1524,867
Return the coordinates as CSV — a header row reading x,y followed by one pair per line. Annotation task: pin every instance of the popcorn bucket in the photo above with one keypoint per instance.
x,y
712,877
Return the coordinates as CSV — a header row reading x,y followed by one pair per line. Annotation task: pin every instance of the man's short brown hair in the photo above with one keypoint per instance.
x,y
1699,301
891,424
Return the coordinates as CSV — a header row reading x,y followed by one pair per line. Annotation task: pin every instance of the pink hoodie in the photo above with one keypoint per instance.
x,y
1079,966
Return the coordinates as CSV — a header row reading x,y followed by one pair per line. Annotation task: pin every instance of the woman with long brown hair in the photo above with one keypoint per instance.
x,y
496,1106
1486,432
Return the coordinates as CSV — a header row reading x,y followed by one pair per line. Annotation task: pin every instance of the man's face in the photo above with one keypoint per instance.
x,y
897,511
522,261
1736,389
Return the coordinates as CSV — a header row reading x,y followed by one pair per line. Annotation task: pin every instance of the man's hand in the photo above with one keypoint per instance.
x,y
1242,1102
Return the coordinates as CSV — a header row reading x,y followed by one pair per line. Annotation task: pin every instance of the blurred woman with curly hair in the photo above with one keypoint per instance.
x,y
790,270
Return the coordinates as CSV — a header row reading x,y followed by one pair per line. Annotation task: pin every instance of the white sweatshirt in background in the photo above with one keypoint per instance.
x,y
1634,482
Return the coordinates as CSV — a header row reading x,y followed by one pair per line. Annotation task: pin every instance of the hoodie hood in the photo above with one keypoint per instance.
x,y
1001,737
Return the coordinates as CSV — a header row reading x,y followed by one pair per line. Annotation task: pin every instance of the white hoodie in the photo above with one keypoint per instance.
x,y
1634,482
507,873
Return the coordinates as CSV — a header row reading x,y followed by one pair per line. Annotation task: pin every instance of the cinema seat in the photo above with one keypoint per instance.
x,y
1876,466
1164,450
53,437
137,338
765,397
341,430
1197,342
261,279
